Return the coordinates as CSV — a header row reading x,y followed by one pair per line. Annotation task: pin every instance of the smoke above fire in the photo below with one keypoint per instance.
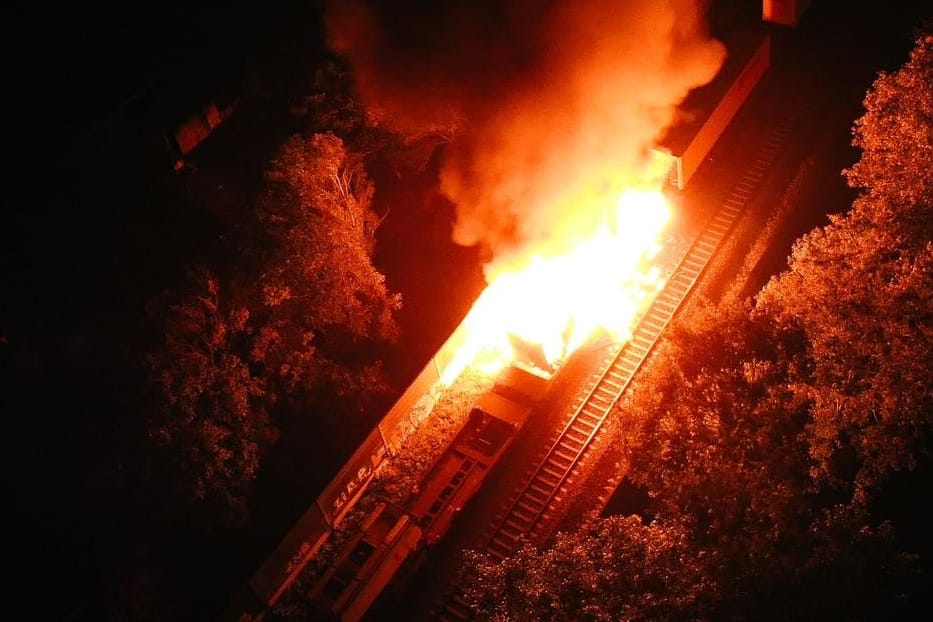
x,y
553,107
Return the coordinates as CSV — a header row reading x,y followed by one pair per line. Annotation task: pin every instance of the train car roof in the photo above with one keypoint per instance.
x,y
741,45
504,408
527,384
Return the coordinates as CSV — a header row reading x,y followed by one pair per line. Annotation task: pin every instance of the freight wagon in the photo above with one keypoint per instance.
x,y
390,535
708,110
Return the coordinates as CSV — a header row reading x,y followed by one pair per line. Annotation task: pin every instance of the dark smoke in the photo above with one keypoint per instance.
x,y
556,103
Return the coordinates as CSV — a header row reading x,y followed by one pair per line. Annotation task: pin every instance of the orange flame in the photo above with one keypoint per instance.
x,y
557,302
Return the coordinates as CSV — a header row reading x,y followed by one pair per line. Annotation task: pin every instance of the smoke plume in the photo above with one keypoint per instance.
x,y
556,103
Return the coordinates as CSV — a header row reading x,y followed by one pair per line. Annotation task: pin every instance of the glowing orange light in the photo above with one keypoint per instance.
x,y
556,302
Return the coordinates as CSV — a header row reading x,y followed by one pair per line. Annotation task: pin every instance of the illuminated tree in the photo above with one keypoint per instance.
x,y
320,233
895,136
615,569
715,430
860,288
721,437
291,328
212,415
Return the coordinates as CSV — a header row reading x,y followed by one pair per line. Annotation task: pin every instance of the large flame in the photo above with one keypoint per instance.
x,y
544,107
556,302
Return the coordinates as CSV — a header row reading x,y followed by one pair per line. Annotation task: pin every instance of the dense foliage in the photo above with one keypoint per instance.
x,y
214,414
615,569
285,329
784,440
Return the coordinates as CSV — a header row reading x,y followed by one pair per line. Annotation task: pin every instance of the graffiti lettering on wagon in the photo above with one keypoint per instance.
x,y
360,478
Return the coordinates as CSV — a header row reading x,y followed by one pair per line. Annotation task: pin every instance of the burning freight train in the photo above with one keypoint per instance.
x,y
554,181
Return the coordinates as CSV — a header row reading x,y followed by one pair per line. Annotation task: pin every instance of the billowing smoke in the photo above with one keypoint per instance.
x,y
557,103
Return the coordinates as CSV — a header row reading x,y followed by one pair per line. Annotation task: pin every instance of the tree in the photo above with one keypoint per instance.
x,y
614,569
290,328
714,431
212,413
721,440
895,136
320,233
859,289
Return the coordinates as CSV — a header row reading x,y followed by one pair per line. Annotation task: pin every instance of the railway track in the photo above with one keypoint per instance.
x,y
527,510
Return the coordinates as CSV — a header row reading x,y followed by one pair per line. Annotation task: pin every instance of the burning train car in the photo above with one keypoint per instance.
x,y
390,536
490,428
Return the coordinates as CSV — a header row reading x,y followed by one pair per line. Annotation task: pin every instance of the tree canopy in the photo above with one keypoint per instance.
x,y
615,569
290,326
215,412
860,288
321,228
